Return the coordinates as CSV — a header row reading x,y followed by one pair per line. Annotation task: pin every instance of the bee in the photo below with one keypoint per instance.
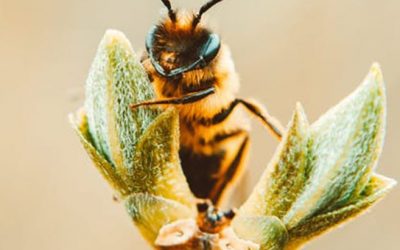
x,y
192,69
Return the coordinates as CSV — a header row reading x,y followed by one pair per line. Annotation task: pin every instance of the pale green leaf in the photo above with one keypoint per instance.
x,y
150,213
156,168
267,231
116,80
376,189
79,123
346,144
318,177
285,175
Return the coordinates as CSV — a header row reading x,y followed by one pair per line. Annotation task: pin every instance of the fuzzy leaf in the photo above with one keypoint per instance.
x,y
156,168
140,147
267,231
286,174
321,174
79,123
346,144
150,213
116,80
376,189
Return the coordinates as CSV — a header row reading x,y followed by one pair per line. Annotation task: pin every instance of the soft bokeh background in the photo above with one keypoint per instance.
x,y
313,51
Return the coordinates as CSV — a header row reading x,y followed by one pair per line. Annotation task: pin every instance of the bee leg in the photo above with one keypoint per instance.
x,y
256,109
231,172
269,121
189,98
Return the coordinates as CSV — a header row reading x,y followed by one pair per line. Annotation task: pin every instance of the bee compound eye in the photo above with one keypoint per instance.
x,y
211,48
150,39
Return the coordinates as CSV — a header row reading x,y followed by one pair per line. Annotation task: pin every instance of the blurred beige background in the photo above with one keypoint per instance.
x,y
314,51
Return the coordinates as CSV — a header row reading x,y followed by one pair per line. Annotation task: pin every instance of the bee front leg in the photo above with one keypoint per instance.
x,y
185,99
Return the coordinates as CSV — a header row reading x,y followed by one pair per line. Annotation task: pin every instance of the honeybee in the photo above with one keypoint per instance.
x,y
192,69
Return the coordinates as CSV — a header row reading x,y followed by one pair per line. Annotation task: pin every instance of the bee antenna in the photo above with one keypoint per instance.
x,y
202,10
171,12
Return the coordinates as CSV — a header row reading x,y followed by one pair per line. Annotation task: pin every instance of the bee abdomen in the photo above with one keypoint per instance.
x,y
200,170
203,171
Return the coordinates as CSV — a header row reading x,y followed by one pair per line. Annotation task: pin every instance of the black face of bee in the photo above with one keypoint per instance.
x,y
175,50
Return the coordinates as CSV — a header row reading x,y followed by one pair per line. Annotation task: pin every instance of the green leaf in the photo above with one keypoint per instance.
x,y
150,213
376,189
116,80
137,151
321,174
156,168
79,123
267,231
346,144
285,175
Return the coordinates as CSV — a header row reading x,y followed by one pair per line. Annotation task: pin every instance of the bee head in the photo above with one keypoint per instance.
x,y
179,44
